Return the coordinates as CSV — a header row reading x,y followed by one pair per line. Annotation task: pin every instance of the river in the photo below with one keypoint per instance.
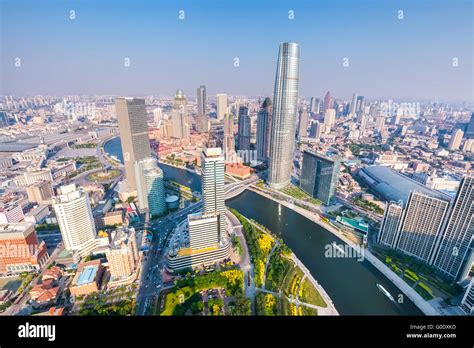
x,y
351,284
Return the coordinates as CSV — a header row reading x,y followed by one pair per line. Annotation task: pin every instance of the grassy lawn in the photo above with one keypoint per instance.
x,y
311,295
296,192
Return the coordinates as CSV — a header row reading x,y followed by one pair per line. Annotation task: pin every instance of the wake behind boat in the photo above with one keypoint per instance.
x,y
385,292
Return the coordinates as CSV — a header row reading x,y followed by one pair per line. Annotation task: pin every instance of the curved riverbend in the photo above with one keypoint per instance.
x,y
351,284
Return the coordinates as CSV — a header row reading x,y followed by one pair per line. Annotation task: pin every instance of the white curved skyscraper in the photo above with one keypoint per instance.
x,y
285,101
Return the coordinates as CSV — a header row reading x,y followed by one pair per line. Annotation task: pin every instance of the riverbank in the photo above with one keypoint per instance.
x,y
423,305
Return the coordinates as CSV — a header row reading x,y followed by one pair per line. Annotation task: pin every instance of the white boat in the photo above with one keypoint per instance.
x,y
385,292
338,247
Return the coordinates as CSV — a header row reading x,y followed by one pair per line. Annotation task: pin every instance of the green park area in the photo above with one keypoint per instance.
x,y
119,301
282,276
298,193
371,206
215,293
418,275
103,175
85,146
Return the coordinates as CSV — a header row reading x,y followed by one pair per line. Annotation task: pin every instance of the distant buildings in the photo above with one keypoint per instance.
x,y
132,121
328,102
222,107
179,115
229,141
303,124
264,130
329,119
470,128
319,176
20,250
74,215
201,100
244,129
285,101
150,186
456,139
315,130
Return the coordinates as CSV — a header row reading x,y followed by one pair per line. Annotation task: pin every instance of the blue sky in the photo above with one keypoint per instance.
x,y
388,57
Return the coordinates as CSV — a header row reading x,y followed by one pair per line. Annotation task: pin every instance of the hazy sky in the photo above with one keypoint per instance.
x,y
410,58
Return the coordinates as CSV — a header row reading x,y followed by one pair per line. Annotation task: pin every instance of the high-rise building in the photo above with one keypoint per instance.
x,y
40,192
360,104
122,255
203,231
422,224
229,142
180,126
470,128
132,121
4,119
201,100
388,234
244,129
329,118
380,123
157,116
455,141
314,105
213,171
315,130
222,107
319,176
74,215
264,129
303,124
285,101
364,122
328,102
455,253
353,105
150,186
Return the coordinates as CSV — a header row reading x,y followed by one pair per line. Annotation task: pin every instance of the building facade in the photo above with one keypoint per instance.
x,y
133,127
285,101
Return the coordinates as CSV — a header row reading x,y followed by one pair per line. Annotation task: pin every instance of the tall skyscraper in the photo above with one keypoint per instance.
x,y
380,123
285,101
303,124
179,116
353,105
74,215
244,129
229,142
319,176
150,186
470,128
456,245
315,130
132,121
157,116
328,102
213,171
201,100
222,107
314,105
360,104
329,118
455,141
264,129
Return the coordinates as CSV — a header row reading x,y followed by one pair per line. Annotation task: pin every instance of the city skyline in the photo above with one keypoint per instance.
x,y
405,52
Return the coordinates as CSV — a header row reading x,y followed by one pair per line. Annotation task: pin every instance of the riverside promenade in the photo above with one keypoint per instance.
x,y
416,298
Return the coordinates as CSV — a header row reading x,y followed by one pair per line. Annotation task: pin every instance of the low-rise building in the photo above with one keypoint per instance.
x,y
88,278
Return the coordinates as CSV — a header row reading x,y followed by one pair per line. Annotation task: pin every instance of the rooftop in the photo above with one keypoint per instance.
x,y
87,275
